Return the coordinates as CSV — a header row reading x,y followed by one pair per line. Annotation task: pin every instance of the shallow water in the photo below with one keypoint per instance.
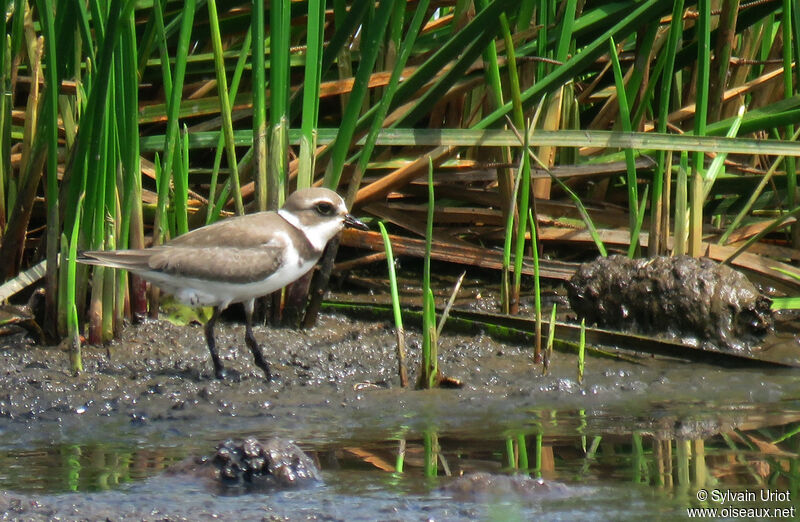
x,y
632,440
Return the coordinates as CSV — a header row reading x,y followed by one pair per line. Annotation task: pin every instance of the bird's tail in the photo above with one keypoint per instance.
x,y
126,259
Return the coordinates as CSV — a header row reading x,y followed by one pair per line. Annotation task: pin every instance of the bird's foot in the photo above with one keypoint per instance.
x,y
229,374
267,373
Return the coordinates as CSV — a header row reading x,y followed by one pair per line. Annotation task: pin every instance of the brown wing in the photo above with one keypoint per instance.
x,y
238,265
239,231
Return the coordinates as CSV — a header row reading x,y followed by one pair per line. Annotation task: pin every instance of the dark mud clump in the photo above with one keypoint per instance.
x,y
276,464
697,301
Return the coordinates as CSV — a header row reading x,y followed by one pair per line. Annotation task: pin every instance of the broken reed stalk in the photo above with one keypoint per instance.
x,y
401,456
398,317
548,352
449,305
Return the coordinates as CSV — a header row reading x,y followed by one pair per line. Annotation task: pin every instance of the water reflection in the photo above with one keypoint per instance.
x,y
732,453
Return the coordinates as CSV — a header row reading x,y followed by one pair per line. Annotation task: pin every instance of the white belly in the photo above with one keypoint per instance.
x,y
203,292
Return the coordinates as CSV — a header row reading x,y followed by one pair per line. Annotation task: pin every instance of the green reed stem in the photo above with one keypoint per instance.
x,y
637,227
73,330
370,45
50,124
522,448
429,324
259,89
111,214
524,196
280,24
681,206
505,284
5,129
428,375
543,19
181,182
311,84
398,317
131,222
430,443
511,462
383,108
259,141
537,290
625,121
789,6
700,121
224,102
173,109
161,38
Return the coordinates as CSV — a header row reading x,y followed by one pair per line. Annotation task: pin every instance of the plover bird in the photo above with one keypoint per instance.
x,y
239,259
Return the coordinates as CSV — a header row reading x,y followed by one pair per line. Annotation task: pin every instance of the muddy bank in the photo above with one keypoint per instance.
x,y
328,380
336,385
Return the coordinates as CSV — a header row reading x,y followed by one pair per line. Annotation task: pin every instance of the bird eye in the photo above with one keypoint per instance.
x,y
324,208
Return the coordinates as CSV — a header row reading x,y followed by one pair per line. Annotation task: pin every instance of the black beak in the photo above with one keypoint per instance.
x,y
351,221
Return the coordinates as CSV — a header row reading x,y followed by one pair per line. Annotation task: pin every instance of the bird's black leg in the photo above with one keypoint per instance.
x,y
258,356
219,371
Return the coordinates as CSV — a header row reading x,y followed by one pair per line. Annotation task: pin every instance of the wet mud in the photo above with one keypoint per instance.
x,y
334,384
697,301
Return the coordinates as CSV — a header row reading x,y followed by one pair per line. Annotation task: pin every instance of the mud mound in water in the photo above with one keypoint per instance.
x,y
275,464
697,301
